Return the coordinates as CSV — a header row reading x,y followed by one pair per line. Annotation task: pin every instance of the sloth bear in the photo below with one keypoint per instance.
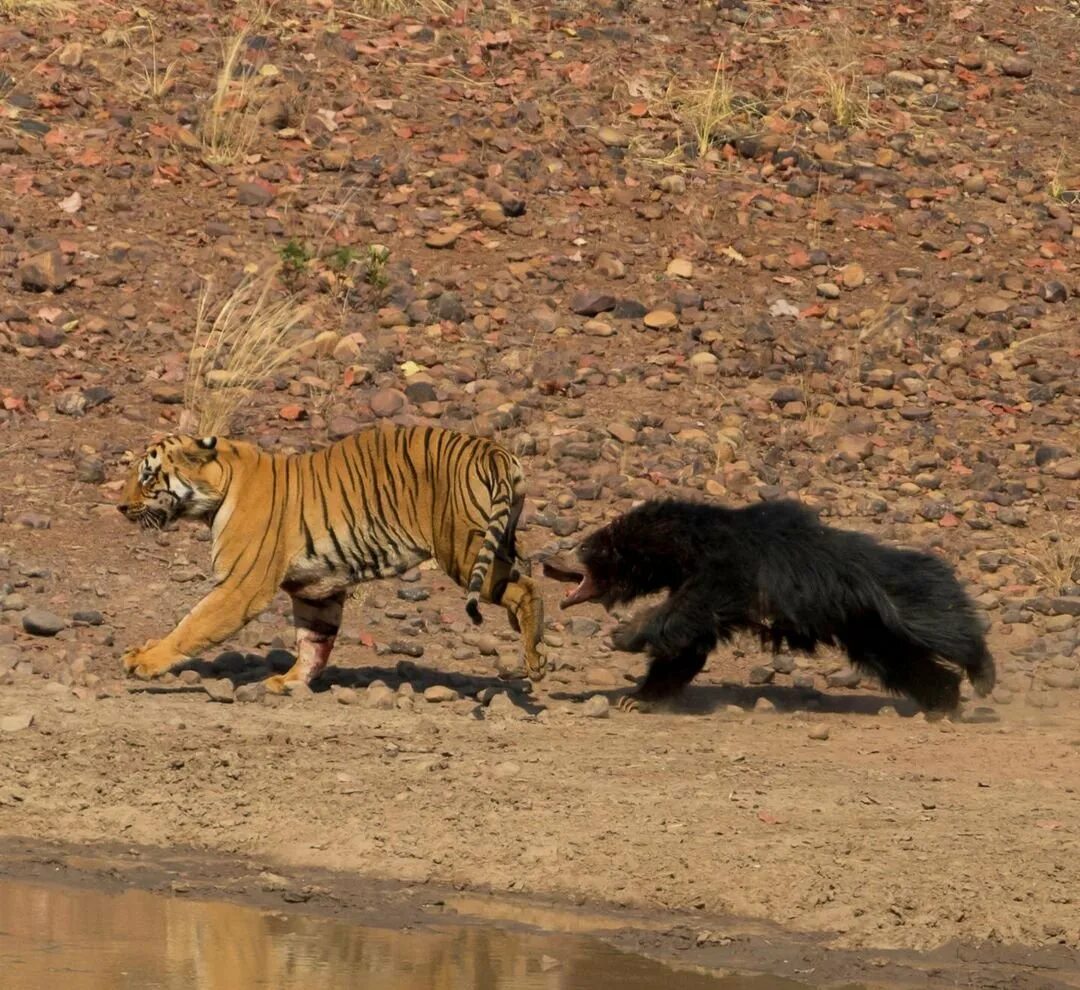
x,y
774,567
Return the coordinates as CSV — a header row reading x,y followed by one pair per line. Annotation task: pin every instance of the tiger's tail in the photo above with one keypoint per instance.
x,y
505,507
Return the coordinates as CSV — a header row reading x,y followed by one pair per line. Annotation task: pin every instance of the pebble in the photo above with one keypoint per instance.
x,y
680,268
819,731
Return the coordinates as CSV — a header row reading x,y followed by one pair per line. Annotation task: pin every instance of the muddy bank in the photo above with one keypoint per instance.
x,y
893,834
699,943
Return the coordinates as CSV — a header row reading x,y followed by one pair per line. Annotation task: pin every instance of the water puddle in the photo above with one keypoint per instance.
x,y
77,939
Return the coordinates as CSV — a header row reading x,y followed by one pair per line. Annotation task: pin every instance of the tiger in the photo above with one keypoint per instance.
x,y
318,524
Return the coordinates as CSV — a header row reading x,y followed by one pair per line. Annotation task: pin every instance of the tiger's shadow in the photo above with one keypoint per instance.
x,y
251,668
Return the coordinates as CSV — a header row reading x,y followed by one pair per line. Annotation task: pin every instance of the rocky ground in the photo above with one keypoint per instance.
x,y
842,266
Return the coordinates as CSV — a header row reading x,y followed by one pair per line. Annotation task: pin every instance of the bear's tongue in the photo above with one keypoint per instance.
x,y
561,569
584,592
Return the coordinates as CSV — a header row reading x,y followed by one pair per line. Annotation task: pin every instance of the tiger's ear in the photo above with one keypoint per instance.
x,y
200,450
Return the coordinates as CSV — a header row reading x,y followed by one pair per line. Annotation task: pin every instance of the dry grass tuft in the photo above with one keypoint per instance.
x,y
1064,184
1055,560
827,68
251,335
389,8
157,80
35,8
706,112
230,121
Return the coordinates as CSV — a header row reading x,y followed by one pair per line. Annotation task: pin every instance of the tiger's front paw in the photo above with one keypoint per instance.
x,y
284,683
148,660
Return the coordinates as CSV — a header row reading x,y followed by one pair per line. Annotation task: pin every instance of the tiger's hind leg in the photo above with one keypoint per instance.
x,y
317,624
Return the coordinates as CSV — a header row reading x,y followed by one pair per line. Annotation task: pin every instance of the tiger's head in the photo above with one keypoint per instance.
x,y
178,477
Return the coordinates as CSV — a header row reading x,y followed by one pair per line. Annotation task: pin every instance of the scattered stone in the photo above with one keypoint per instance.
x,y
852,276
439,694
601,677
764,705
502,705
344,695
1069,469
45,273
253,194
1053,292
597,706
88,617
219,689
991,305
249,693
819,731
16,722
899,79
660,319
441,239
613,138
591,302
1017,67
761,675
406,648
680,268
39,622
849,678
379,696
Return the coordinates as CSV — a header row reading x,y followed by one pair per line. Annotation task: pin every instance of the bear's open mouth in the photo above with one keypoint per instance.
x,y
569,571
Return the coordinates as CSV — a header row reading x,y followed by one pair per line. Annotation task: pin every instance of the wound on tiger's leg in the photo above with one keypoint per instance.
x,y
317,624
525,609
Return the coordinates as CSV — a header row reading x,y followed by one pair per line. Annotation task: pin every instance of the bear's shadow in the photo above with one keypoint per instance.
x,y
707,699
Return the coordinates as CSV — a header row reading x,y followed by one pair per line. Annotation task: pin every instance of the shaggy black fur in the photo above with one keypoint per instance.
x,y
773,567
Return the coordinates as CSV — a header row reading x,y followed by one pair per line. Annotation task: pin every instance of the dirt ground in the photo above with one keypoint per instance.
x,y
843,268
